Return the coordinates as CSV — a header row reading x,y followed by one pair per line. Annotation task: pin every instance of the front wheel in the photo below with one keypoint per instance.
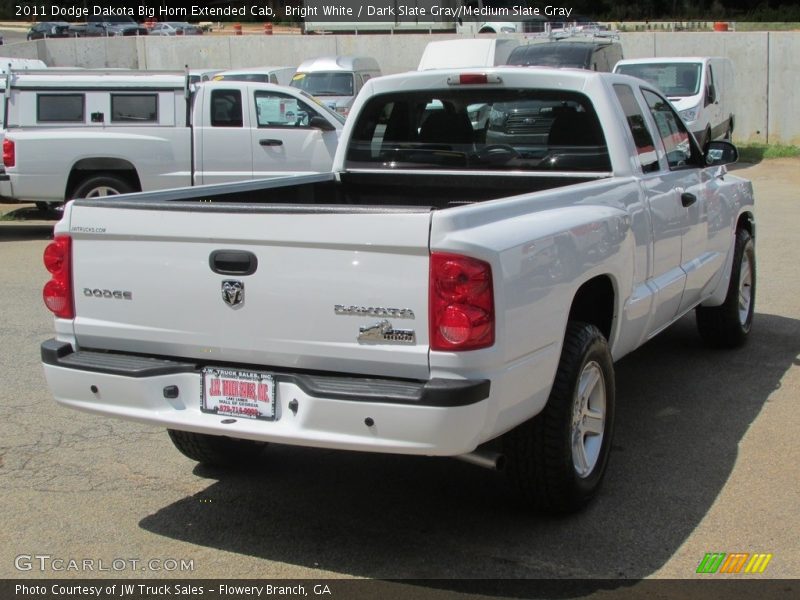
x,y
558,459
215,450
729,324
99,186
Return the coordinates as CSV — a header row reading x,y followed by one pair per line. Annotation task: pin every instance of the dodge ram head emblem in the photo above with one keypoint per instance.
x,y
233,292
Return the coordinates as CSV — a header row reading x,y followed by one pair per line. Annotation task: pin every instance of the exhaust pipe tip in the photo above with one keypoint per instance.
x,y
486,459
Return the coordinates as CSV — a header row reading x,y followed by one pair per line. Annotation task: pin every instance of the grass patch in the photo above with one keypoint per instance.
x,y
753,26
10,217
757,152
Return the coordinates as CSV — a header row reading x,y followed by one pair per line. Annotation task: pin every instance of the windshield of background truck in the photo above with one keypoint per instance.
x,y
674,79
325,83
479,129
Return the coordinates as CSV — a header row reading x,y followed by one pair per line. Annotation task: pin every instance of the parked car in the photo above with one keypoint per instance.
x,y
99,26
530,123
175,28
700,88
467,52
336,79
276,75
202,75
49,29
595,55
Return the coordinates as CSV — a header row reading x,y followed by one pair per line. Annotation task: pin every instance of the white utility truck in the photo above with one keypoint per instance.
x,y
433,295
76,134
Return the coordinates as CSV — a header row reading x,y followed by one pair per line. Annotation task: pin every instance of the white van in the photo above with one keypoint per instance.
x,y
700,88
469,52
336,80
276,75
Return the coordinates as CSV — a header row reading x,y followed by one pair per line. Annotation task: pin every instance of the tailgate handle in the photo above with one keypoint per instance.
x,y
233,262
271,142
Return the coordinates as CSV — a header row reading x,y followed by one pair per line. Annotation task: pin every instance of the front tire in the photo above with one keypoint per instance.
x,y
215,450
728,325
100,186
558,459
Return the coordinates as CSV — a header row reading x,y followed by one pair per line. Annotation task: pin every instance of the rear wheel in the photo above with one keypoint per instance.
x,y
215,450
729,324
558,459
99,186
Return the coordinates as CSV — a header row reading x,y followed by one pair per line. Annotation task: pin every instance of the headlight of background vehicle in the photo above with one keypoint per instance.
x,y
690,114
496,118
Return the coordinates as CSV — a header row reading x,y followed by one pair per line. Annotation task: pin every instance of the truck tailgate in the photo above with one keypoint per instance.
x,y
149,281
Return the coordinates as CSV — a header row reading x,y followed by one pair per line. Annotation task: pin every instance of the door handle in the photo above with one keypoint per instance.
x,y
688,199
233,262
271,142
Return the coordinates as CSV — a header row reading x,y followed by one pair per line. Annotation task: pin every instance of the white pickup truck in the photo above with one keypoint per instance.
x,y
77,134
433,295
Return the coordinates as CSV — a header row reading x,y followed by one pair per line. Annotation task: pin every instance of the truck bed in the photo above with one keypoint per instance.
x,y
418,190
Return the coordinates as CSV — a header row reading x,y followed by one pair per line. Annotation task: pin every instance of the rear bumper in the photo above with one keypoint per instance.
x,y
437,417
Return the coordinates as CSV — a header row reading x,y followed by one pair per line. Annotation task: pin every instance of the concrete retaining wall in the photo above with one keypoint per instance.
x,y
766,64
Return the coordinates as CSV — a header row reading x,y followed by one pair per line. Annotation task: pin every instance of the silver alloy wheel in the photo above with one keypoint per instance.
x,y
745,289
102,190
588,419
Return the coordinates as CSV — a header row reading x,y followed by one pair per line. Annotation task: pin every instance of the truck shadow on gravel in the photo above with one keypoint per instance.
x,y
682,411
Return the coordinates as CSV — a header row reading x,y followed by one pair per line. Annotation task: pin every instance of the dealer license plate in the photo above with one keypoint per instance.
x,y
234,393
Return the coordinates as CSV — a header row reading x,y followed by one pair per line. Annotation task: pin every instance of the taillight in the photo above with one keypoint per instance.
x,y
473,79
461,303
57,293
9,153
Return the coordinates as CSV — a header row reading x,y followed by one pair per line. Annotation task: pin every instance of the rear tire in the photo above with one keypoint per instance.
x,y
729,324
558,459
215,450
100,186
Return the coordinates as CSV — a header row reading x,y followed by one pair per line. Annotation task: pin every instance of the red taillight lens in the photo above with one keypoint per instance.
x,y
472,78
461,303
57,293
9,153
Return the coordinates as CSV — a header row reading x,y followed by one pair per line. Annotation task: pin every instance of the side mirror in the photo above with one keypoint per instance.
x,y
320,123
711,95
720,152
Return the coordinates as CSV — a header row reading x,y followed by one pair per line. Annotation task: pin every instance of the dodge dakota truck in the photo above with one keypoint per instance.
x,y
94,133
435,294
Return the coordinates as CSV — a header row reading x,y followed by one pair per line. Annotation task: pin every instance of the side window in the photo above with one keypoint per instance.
x,y
226,108
134,108
281,110
272,78
60,108
710,96
681,152
645,148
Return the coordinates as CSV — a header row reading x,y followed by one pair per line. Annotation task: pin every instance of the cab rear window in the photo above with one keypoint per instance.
x,y
479,129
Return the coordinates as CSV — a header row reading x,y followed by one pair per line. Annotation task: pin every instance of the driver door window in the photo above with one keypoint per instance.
x,y
281,110
678,144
